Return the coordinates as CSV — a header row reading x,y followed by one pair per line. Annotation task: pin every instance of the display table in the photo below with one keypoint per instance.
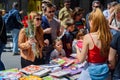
x,y
59,69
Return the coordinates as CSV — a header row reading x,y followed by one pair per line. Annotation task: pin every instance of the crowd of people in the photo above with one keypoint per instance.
x,y
47,36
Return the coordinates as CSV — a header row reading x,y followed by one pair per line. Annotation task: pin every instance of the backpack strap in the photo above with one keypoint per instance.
x,y
12,12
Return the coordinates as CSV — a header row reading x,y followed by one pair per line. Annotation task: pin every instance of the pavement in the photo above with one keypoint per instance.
x,y
10,60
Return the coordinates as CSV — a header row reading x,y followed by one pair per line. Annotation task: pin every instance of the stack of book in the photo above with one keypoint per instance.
x,y
10,74
31,69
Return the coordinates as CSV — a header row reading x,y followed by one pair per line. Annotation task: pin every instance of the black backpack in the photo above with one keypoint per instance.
x,y
9,19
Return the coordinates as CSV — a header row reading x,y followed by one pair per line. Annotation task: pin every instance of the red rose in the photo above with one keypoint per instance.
x,y
25,23
26,17
30,17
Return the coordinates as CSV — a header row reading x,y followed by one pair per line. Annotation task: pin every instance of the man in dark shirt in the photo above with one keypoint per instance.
x,y
16,27
51,29
114,56
13,23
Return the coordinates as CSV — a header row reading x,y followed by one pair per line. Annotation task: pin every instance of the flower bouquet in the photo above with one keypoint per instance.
x,y
30,33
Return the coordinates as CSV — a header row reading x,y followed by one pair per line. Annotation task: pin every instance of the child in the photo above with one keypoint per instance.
x,y
58,51
78,40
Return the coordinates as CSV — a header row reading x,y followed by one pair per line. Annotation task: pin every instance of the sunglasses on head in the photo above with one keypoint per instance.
x,y
38,19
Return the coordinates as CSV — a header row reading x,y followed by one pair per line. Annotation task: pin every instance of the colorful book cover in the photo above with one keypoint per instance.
x,y
59,73
31,69
30,78
10,74
42,73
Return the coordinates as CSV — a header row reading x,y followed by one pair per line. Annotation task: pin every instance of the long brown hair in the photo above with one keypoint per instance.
x,y
100,25
38,30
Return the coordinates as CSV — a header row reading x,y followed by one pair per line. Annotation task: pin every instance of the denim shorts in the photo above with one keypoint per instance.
x,y
95,71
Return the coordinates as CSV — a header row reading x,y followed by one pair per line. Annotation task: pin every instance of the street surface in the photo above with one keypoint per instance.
x,y
10,60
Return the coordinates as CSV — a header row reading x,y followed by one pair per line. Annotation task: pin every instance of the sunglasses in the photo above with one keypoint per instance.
x,y
51,11
96,6
38,19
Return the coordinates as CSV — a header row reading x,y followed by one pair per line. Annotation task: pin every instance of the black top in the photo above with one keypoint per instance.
x,y
3,36
115,44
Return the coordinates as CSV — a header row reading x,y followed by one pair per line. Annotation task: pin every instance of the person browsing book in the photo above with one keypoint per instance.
x,y
58,51
78,40
95,47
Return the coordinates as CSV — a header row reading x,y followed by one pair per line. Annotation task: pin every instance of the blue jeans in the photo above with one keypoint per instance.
x,y
113,31
15,33
2,67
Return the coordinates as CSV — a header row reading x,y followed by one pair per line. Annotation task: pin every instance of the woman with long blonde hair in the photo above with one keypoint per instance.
x,y
95,47
26,41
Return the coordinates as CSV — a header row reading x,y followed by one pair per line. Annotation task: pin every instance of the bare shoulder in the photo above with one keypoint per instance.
x,y
86,38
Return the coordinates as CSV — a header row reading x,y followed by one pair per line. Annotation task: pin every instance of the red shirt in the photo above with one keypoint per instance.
x,y
94,55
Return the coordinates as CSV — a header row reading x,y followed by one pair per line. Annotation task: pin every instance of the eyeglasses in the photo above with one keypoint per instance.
x,y
51,11
38,19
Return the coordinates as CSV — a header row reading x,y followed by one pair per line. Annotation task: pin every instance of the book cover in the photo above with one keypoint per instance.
x,y
42,73
31,69
59,73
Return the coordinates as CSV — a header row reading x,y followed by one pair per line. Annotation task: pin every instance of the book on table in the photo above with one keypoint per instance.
x,y
31,69
59,73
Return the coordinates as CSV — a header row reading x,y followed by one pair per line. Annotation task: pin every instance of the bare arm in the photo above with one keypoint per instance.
x,y
112,16
113,27
83,54
111,58
47,31
68,46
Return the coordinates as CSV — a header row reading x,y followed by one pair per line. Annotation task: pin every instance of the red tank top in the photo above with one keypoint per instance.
x,y
94,55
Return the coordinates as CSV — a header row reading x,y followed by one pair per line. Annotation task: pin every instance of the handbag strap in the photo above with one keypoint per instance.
x,y
116,22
